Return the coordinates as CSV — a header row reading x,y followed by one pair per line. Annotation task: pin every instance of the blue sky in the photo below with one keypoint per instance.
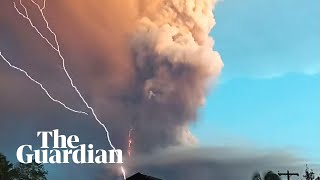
x,y
268,94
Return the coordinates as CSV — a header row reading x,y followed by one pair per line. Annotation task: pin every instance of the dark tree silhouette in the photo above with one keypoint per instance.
x,y
271,176
7,171
309,174
31,171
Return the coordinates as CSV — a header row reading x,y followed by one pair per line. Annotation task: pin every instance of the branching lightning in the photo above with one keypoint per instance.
x,y
56,47
42,87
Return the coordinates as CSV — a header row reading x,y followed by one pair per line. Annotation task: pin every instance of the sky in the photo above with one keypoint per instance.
x,y
268,93
266,98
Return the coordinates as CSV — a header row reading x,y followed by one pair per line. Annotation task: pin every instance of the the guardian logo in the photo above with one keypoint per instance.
x,y
65,150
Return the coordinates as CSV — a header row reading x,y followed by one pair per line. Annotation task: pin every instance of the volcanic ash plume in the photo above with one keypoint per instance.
x,y
174,60
147,69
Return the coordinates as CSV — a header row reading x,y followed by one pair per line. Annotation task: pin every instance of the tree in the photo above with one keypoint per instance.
x,y
31,171
271,176
256,176
309,174
7,171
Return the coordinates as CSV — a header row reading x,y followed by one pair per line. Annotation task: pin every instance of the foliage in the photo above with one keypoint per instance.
x,y
309,174
271,176
7,171
268,176
256,176
31,171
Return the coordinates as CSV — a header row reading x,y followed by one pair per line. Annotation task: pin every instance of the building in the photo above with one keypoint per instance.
x,y
140,176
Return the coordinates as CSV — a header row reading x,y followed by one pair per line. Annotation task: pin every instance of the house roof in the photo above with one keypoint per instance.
x,y
140,176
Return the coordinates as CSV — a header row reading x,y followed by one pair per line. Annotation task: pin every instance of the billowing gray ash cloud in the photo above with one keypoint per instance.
x,y
141,64
148,69
173,61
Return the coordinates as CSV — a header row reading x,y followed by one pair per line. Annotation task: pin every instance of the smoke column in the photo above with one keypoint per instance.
x,y
174,61
142,64
147,69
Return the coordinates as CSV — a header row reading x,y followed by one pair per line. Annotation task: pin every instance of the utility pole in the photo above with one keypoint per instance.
x,y
288,174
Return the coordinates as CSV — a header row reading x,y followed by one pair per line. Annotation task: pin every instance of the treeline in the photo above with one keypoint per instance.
x,y
20,171
35,171
308,175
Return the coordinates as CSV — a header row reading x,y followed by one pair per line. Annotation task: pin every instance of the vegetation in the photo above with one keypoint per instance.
x,y
271,176
6,168
20,171
35,171
308,175
268,176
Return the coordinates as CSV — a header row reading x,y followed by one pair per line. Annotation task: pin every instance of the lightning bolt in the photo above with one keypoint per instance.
x,y
56,47
129,142
123,172
42,87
